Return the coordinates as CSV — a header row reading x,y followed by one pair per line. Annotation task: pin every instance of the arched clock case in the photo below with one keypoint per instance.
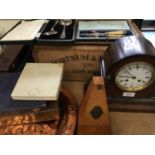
x,y
128,67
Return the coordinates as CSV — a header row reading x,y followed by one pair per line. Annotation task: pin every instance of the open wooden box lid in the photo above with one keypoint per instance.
x,y
39,81
25,32
7,25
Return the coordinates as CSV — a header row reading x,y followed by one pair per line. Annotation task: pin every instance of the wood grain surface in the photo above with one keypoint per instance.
x,y
95,97
39,81
80,61
10,56
6,25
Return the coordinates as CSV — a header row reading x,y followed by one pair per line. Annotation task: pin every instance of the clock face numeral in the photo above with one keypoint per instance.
x,y
135,76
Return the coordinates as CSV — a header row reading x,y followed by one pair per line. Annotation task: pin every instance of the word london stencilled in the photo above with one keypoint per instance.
x,y
87,66
80,62
72,58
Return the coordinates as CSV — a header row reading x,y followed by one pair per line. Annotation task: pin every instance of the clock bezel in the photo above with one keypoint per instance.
x,y
139,88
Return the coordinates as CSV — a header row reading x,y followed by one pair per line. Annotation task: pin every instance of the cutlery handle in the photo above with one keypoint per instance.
x,y
63,34
55,23
115,33
101,35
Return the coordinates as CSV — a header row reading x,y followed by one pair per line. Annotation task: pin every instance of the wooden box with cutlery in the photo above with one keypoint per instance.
x,y
81,59
64,31
102,31
40,32
57,31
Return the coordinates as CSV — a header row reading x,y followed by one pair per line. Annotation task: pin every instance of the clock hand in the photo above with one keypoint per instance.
x,y
127,76
130,74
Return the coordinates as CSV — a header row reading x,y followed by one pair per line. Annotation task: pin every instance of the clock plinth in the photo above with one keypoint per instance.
x,y
138,105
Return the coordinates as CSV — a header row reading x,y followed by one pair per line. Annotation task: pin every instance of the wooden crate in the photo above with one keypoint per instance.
x,y
80,61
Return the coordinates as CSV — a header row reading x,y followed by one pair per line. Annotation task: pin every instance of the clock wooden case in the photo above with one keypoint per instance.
x,y
128,66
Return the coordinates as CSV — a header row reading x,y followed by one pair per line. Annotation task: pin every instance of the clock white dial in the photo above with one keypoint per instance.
x,y
135,76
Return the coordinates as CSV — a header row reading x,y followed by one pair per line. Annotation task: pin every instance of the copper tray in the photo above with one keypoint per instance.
x,y
66,124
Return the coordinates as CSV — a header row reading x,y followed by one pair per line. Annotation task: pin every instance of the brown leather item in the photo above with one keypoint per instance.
x,y
33,116
66,124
